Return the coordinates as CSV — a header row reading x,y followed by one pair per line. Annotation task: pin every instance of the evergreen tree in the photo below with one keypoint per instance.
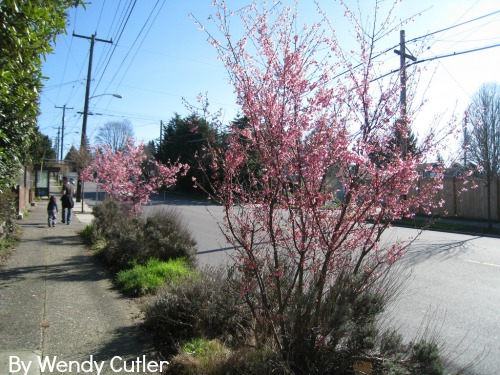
x,y
183,140
41,149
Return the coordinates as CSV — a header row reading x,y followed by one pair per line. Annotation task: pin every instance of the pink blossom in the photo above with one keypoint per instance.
x,y
129,175
307,138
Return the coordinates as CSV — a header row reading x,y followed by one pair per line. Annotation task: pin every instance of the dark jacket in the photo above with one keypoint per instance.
x,y
52,206
67,197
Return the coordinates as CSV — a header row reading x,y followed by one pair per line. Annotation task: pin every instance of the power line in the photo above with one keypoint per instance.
x,y
104,59
415,39
439,57
143,39
454,26
124,23
456,54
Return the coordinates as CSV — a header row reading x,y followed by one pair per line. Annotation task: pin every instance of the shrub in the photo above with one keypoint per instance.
x,y
88,235
345,329
142,279
115,223
9,230
207,306
7,208
346,337
426,357
130,239
165,236
123,246
106,213
99,247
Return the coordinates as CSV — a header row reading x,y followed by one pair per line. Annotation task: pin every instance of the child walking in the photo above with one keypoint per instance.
x,y
52,211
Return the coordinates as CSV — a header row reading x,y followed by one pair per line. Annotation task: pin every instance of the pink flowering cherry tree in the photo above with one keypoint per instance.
x,y
128,175
317,174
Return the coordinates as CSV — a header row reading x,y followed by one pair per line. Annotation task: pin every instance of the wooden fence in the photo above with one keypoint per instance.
x,y
462,199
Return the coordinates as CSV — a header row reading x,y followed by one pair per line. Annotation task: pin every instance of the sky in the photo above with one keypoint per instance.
x,y
160,58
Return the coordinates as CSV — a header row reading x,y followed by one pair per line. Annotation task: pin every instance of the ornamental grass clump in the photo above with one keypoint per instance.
x,y
199,356
148,278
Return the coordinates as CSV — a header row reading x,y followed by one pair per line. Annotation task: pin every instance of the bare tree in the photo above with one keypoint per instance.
x,y
115,134
484,141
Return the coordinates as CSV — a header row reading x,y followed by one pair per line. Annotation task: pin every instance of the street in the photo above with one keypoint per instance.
x,y
452,284
452,294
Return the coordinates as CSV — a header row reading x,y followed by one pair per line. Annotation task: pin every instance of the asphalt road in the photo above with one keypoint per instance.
x,y
451,293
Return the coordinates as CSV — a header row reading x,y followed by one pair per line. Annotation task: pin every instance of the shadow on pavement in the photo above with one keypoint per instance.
x,y
420,253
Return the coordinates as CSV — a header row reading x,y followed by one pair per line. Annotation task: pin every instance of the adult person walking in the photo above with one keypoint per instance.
x,y
67,201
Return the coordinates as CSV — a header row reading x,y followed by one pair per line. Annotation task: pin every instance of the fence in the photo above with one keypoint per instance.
x,y
471,202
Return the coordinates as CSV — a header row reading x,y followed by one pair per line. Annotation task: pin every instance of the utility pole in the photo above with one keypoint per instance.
x,y
466,140
161,134
93,39
402,73
57,142
62,133
83,143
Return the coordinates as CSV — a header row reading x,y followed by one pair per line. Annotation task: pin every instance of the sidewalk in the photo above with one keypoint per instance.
x,y
56,300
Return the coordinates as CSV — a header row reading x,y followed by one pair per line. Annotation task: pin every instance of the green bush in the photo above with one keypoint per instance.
x,y
9,230
166,236
99,247
88,234
130,239
426,357
123,245
148,278
106,214
115,223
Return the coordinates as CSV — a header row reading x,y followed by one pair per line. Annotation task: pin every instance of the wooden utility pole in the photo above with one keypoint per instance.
x,y
62,132
466,140
161,133
83,142
93,39
402,73
57,143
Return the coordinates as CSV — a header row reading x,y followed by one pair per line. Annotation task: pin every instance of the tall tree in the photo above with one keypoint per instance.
x,y
483,141
27,30
183,139
115,134
303,262
70,155
41,148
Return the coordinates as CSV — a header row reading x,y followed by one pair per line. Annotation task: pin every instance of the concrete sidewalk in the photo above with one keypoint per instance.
x,y
57,304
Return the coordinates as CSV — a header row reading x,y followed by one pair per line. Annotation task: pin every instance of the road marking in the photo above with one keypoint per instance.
x,y
483,263
492,265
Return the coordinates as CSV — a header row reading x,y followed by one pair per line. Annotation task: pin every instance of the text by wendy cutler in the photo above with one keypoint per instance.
x,y
116,364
